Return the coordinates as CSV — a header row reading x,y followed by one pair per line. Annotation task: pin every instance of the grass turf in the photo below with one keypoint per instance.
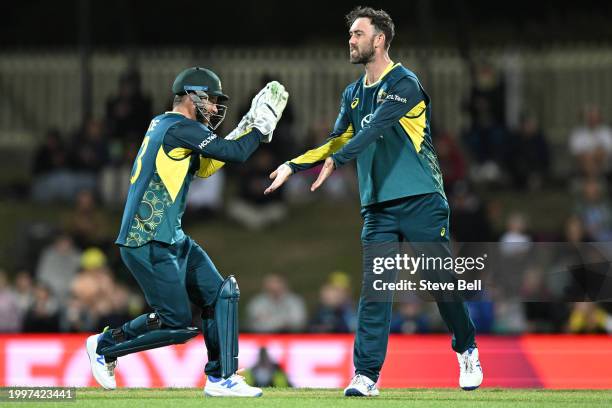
x,y
488,397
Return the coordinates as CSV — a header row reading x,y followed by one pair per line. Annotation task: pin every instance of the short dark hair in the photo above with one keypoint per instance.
x,y
178,99
380,19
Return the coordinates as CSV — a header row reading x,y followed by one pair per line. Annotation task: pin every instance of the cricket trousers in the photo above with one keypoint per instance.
x,y
171,278
417,219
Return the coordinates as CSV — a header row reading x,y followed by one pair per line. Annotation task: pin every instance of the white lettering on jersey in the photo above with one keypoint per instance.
x,y
366,120
206,141
154,123
396,98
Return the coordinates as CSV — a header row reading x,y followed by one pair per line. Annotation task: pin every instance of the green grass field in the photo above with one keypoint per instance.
x,y
190,397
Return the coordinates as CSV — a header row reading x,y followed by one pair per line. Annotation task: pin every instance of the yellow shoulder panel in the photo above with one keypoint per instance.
x,y
172,168
414,123
326,150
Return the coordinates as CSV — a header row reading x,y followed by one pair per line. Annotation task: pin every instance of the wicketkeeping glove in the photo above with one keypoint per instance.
x,y
267,108
246,124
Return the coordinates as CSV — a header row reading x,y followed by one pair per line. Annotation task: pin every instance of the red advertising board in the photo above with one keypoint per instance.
x,y
322,361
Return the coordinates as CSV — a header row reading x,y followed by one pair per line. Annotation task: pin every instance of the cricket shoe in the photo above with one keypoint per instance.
x,y
103,372
361,386
470,374
233,386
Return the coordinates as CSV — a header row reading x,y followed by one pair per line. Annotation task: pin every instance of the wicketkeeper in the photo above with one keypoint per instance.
x,y
170,267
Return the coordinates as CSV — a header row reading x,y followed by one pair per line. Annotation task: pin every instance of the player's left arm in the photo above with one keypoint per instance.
x,y
209,166
403,98
266,110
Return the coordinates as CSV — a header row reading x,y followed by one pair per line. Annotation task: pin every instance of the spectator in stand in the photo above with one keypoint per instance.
x,y
529,156
10,314
51,155
276,309
542,313
335,312
58,265
129,112
205,197
487,137
594,211
251,208
43,315
90,152
24,291
410,318
515,250
589,318
93,293
52,177
510,317
75,317
450,157
469,219
86,224
515,240
591,143
113,310
115,178
266,372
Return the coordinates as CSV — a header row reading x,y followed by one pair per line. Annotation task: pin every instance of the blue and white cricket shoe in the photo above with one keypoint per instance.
x,y
103,372
234,386
470,371
361,386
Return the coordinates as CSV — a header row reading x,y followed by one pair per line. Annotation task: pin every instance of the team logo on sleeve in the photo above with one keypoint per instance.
x,y
355,103
380,97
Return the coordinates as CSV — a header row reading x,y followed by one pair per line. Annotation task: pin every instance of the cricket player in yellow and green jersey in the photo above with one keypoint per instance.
x,y
384,125
172,270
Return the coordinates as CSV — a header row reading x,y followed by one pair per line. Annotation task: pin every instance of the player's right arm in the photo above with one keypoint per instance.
x,y
342,133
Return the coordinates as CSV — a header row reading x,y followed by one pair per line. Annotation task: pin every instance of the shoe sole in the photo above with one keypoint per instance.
x,y
207,394
353,392
93,372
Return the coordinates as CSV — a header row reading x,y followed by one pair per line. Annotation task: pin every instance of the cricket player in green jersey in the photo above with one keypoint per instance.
x,y
172,270
384,124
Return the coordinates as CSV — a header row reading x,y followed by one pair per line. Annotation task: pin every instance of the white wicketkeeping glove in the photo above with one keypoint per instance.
x,y
246,124
267,108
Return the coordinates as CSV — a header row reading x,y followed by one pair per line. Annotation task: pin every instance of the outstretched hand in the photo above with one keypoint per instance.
x,y
280,175
326,171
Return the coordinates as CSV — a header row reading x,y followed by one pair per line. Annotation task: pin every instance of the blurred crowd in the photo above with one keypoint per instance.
x,y
70,282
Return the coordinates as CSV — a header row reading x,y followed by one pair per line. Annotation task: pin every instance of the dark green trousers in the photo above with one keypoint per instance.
x,y
171,277
418,219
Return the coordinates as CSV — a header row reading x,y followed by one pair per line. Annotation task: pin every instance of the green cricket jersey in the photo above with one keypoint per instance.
x,y
385,126
173,150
